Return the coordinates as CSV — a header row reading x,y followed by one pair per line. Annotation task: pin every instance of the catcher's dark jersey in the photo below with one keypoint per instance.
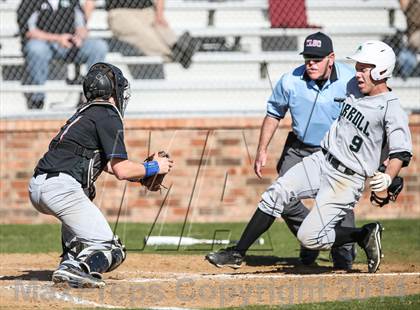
x,y
130,4
96,127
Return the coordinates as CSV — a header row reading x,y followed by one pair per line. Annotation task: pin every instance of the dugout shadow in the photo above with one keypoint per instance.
x,y
31,275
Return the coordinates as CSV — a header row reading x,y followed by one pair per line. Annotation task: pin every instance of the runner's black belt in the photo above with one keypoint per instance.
x,y
337,164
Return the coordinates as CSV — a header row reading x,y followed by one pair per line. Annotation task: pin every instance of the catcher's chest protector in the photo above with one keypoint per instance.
x,y
92,161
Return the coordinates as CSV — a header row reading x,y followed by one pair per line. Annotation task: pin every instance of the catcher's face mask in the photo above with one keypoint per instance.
x,y
104,81
126,96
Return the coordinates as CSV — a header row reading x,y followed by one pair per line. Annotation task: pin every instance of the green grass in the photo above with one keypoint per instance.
x,y
388,303
401,239
403,302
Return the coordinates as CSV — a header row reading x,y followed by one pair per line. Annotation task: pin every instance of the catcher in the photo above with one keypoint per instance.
x,y
90,142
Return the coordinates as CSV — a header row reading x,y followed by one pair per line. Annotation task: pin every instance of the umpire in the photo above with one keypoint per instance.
x,y
90,142
313,93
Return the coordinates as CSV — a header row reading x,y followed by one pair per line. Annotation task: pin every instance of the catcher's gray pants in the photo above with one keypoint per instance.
x,y
63,197
335,194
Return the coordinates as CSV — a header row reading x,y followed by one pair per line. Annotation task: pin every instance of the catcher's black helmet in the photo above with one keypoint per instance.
x,y
104,81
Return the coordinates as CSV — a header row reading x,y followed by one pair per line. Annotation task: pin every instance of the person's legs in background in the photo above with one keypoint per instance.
x,y
407,57
136,27
407,61
38,54
91,52
344,255
293,216
295,213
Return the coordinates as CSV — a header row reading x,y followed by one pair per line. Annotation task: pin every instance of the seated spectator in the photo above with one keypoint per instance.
x,y
54,29
407,57
142,24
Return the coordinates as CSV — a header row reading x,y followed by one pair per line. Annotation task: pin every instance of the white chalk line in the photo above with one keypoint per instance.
x,y
63,296
174,276
177,276
76,300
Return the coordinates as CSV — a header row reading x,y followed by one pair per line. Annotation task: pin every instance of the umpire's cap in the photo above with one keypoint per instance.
x,y
317,44
104,81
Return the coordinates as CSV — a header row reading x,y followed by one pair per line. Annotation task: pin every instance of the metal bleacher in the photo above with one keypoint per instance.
x,y
219,82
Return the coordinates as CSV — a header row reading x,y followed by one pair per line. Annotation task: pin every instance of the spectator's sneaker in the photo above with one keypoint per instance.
x,y
75,277
226,257
180,46
372,245
35,104
193,47
308,257
184,49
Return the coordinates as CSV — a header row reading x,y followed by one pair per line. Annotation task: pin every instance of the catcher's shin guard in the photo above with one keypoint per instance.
x,y
100,261
103,261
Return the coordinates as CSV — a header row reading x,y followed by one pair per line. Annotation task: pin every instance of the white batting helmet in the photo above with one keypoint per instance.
x,y
379,54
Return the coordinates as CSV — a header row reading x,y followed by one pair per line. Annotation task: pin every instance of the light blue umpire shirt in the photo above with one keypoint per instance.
x,y
312,109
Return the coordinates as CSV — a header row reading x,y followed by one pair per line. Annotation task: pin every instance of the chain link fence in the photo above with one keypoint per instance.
x,y
209,54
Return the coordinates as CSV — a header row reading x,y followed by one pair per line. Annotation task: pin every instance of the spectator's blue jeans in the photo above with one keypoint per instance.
x,y
38,54
407,60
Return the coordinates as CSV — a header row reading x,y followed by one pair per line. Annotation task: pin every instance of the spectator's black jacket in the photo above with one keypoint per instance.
x,y
130,4
61,20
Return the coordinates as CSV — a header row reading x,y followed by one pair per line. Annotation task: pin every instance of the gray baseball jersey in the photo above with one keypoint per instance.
x,y
365,125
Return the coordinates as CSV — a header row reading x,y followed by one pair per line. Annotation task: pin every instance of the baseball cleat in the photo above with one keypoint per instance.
x,y
372,246
226,257
75,277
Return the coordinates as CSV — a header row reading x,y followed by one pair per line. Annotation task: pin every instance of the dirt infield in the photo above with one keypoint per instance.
x,y
151,280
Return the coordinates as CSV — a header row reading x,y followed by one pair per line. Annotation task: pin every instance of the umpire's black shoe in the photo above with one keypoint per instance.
x,y
372,245
226,257
308,257
76,277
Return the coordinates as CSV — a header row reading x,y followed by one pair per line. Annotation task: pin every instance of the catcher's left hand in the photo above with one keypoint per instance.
x,y
154,182
393,191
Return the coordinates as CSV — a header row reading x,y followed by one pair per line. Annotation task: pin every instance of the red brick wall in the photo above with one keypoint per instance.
x,y
225,187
